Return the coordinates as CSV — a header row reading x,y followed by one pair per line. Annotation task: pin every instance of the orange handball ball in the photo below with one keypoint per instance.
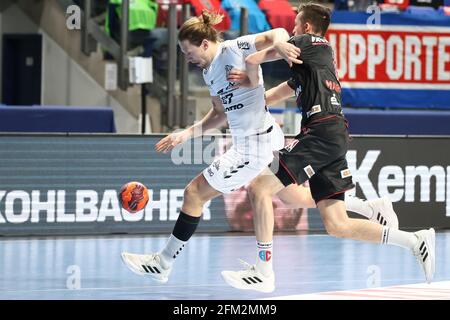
x,y
133,196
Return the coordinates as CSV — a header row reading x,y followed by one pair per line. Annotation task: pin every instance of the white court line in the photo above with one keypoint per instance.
x,y
161,286
114,288
419,291
137,236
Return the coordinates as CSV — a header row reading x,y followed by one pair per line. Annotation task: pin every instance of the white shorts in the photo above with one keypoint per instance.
x,y
244,161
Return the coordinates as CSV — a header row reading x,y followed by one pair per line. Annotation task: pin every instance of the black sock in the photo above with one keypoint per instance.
x,y
185,226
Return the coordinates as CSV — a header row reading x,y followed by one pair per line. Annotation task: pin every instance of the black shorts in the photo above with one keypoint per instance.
x,y
317,154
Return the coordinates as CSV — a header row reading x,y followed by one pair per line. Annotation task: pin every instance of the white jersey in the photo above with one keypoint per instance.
x,y
245,107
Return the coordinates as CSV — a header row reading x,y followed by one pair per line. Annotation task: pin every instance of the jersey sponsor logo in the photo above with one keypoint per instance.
x,y
309,171
265,255
345,173
314,109
318,40
230,88
234,108
243,45
334,101
333,86
291,145
298,91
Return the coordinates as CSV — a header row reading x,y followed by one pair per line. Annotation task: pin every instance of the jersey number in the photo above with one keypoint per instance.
x,y
227,98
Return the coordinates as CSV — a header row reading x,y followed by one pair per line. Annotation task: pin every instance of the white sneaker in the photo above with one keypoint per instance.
x,y
146,264
425,252
383,212
250,279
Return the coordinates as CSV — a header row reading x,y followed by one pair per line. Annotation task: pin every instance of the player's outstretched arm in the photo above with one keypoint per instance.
x,y
253,61
278,94
267,39
288,52
215,118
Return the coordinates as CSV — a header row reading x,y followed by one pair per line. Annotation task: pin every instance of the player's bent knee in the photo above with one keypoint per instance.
x,y
192,194
297,200
337,229
256,191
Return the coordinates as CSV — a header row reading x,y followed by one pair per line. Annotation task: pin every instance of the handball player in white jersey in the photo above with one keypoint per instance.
x,y
254,132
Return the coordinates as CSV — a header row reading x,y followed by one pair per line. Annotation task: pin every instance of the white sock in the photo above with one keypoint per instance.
x,y
399,238
264,257
171,251
359,206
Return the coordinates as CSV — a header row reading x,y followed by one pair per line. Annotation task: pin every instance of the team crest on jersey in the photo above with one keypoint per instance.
x,y
231,84
309,171
228,68
345,173
243,45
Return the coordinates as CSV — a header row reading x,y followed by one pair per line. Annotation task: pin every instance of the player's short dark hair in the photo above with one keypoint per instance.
x,y
317,15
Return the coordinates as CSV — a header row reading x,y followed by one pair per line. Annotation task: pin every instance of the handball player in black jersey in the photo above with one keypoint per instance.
x,y
318,152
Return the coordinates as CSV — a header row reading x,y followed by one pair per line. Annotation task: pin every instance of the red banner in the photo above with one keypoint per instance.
x,y
392,56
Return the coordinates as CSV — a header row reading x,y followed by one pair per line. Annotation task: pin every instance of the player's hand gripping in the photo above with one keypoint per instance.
x,y
239,77
288,52
169,142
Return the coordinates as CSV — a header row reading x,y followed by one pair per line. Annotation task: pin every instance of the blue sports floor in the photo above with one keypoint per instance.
x,y
306,267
